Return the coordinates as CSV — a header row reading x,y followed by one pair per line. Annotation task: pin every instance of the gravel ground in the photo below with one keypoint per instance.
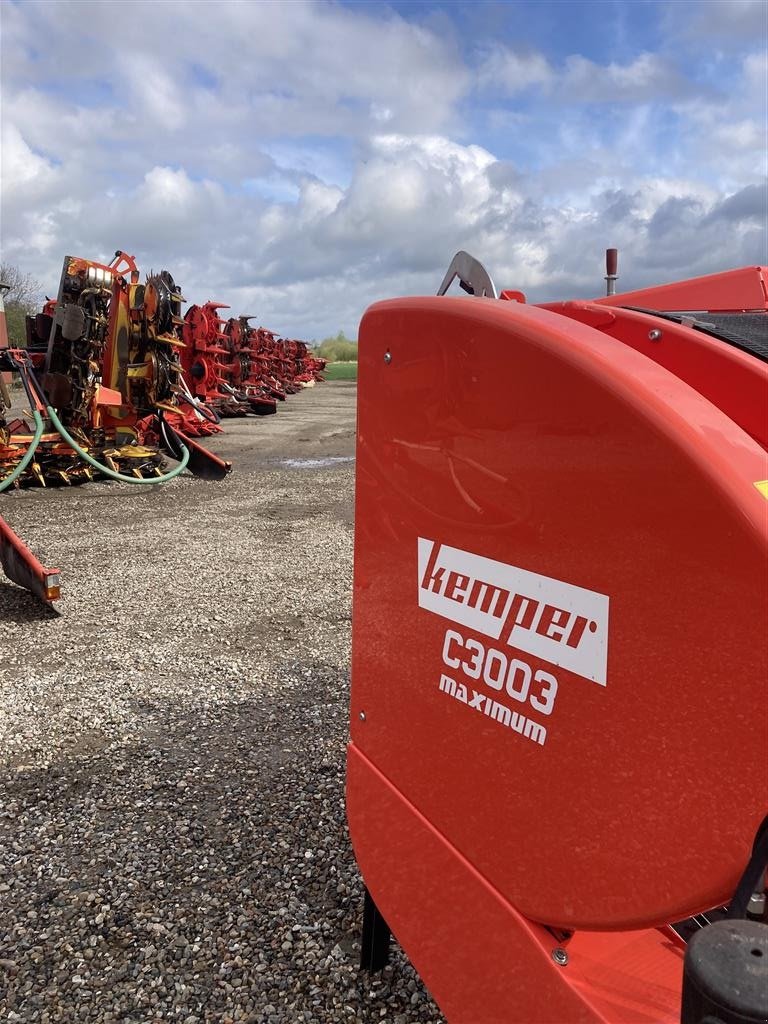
x,y
172,833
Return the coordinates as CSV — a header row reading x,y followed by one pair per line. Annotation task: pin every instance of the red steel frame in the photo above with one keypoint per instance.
x,y
21,566
732,291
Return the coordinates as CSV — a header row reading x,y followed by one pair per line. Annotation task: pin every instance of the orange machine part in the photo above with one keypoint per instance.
x,y
729,292
516,447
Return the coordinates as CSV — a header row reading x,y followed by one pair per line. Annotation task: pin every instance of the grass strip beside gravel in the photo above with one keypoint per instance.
x,y
340,371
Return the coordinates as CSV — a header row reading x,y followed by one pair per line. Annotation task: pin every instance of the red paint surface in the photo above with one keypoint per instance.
x,y
481,959
527,437
733,380
731,291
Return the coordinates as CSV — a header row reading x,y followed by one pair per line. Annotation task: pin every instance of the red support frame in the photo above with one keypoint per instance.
x,y
21,566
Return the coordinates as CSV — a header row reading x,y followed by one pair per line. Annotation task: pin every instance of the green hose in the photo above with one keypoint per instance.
x,y
111,472
28,455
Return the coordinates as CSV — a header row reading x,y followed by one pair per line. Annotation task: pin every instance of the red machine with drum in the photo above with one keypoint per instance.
x,y
559,741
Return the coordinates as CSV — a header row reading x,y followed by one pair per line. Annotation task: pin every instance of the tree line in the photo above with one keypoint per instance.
x,y
23,297
339,349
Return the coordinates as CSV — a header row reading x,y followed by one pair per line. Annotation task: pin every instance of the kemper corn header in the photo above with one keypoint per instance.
x,y
559,738
102,365
104,379
237,369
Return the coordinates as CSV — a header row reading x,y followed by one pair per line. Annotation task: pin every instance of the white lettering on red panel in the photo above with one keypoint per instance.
x,y
558,622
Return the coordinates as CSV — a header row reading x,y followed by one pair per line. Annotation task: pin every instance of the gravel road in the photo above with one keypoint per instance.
x,y
172,833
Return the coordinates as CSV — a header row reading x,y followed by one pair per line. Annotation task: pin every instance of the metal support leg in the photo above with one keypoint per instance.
x,y
374,955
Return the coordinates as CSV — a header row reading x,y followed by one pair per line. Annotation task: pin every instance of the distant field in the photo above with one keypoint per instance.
x,y
340,371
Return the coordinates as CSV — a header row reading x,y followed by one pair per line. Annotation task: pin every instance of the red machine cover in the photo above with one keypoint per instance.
x,y
560,608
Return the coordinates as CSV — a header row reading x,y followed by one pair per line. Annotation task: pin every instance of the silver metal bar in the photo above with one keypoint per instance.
x,y
472,275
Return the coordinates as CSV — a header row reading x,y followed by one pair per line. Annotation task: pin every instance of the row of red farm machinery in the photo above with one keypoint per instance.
x,y
115,381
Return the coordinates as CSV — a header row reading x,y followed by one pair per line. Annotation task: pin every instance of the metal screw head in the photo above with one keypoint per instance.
x,y
362,716
560,956
756,904
387,357
655,335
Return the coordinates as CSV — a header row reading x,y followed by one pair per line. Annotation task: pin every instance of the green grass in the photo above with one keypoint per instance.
x,y
340,371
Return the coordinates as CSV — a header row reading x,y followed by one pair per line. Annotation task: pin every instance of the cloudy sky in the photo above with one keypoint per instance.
x,y
301,159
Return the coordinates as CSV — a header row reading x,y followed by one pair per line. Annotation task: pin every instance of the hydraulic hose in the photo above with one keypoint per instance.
x,y
28,455
111,472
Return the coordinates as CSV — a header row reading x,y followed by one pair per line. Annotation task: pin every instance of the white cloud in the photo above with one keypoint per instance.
x,y
718,24
230,172
310,267
755,72
23,171
299,67
648,76
728,134
580,80
511,72
154,91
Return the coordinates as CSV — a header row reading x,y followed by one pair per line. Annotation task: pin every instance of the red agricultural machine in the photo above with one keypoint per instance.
x,y
103,374
237,369
559,739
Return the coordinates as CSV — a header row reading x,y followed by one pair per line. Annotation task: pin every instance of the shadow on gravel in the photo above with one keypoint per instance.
x,y
17,605
202,873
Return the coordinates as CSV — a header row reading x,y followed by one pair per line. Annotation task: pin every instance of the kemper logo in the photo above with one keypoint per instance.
x,y
558,622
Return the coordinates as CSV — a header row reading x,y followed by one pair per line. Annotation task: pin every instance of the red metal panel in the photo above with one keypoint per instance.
x,y
481,960
514,434
733,380
729,292
629,976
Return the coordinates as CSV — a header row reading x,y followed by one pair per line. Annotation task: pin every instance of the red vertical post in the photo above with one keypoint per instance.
x,y
611,270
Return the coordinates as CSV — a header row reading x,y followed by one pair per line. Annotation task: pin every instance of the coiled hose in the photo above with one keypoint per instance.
x,y
16,472
66,436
